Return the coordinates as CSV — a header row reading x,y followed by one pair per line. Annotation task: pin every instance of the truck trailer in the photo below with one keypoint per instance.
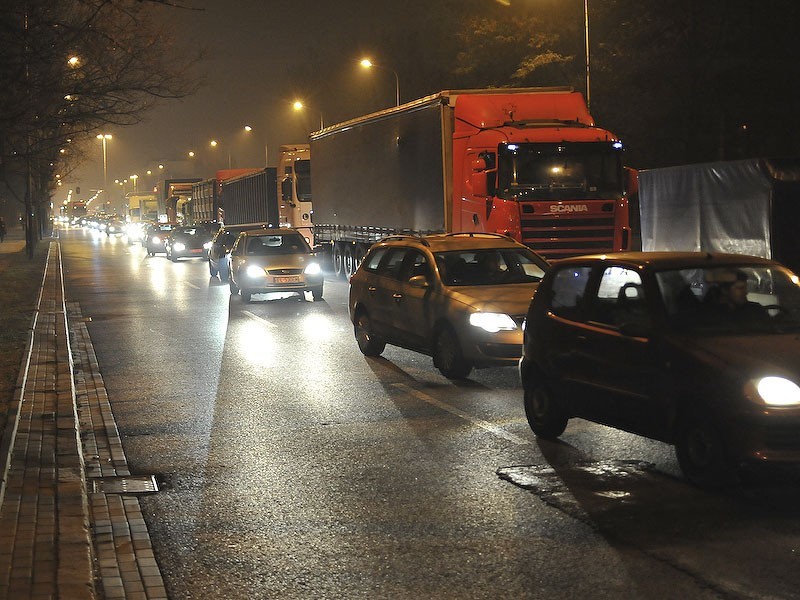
x,y
529,163
250,199
207,194
742,207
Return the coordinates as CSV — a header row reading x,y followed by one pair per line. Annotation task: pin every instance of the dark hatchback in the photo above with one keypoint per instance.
x,y
190,241
698,350
220,249
155,235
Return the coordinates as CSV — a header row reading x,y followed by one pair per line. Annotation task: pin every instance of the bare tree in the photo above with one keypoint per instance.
x,y
69,68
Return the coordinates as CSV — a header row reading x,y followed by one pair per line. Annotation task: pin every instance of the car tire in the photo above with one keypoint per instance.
x,y
544,413
316,293
369,343
233,287
447,355
701,453
246,296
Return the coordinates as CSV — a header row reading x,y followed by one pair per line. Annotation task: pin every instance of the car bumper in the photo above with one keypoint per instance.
x,y
296,283
485,349
772,436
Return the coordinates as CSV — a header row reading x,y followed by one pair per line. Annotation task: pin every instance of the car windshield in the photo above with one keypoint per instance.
x,y
266,245
489,266
731,299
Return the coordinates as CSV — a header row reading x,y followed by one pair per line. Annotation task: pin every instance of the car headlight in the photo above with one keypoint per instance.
x,y
492,322
255,271
312,269
777,391
156,239
178,247
207,246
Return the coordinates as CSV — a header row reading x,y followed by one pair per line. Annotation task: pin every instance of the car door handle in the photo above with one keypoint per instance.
x,y
397,297
372,289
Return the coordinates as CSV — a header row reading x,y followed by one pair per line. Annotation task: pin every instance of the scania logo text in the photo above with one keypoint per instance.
x,y
563,208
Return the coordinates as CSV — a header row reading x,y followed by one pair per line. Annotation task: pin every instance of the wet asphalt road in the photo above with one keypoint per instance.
x,y
293,467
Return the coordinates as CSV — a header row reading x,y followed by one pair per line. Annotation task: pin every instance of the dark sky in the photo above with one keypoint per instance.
x,y
261,56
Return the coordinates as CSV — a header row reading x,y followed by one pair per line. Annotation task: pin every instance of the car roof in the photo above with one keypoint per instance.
x,y
443,242
667,260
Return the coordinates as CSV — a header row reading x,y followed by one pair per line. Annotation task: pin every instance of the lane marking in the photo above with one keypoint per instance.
x,y
190,284
261,320
493,429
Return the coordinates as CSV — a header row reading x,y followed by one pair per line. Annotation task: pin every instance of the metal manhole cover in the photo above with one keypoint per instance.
x,y
125,485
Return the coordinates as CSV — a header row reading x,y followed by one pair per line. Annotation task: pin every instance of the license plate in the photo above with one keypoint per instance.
x,y
292,279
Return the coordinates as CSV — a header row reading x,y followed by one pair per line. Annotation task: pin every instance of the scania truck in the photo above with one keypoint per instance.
x,y
529,163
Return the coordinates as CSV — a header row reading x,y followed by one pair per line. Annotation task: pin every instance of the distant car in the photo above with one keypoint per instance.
x,y
155,235
460,298
693,349
114,227
219,251
274,260
189,241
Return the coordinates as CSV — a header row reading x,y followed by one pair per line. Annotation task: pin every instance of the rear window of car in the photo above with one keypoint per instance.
x,y
568,290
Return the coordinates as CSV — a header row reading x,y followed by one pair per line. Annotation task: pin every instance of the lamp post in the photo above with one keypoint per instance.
x,y
368,64
586,44
298,106
135,178
214,144
104,137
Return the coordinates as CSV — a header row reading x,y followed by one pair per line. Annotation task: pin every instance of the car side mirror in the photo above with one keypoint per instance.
x,y
419,281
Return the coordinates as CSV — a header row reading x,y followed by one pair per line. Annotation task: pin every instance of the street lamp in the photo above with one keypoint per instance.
x,y
586,43
135,179
368,64
104,137
298,106
214,144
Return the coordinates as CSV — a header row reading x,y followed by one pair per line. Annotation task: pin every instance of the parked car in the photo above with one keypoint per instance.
x,y
697,350
220,249
460,298
155,235
189,241
274,260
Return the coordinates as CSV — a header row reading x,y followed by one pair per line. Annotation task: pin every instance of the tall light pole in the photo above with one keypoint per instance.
x,y
104,137
135,178
368,64
586,43
298,106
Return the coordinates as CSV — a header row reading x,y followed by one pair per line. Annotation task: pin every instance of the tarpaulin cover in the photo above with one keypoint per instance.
x,y
715,207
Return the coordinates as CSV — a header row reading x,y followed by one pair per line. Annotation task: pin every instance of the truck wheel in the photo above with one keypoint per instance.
x,y
349,259
447,355
545,415
316,293
369,343
337,260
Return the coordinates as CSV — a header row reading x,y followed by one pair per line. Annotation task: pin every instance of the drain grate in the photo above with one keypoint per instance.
x,y
125,485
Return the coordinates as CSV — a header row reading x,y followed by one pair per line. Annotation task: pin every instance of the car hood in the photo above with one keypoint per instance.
x,y
511,299
750,355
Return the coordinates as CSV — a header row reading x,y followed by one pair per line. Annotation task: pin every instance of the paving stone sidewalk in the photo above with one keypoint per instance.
x,y
70,521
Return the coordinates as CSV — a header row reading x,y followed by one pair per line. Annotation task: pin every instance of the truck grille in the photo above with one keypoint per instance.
x,y
562,236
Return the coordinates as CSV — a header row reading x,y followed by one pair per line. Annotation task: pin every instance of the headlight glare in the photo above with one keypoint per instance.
x,y
255,271
312,269
778,391
178,247
207,246
492,322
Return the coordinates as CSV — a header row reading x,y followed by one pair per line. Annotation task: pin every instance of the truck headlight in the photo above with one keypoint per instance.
x,y
777,391
178,247
255,271
492,322
312,269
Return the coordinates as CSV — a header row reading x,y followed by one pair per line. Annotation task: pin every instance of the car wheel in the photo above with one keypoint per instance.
x,y
212,271
447,355
245,296
233,287
701,452
545,415
369,343
316,293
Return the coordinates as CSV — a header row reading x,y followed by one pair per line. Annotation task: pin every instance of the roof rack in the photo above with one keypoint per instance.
x,y
401,237
489,234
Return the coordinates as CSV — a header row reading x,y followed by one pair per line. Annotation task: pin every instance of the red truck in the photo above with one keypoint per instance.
x,y
529,163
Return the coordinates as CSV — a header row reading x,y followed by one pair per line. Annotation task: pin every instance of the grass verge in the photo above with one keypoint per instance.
x,y
20,281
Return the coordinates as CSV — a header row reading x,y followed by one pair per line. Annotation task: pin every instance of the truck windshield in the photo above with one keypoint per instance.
x,y
560,171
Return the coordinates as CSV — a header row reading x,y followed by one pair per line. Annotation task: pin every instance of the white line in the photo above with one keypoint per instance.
x,y
190,284
259,319
493,429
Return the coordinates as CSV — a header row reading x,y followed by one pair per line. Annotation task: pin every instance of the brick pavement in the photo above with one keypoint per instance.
x,y
70,521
